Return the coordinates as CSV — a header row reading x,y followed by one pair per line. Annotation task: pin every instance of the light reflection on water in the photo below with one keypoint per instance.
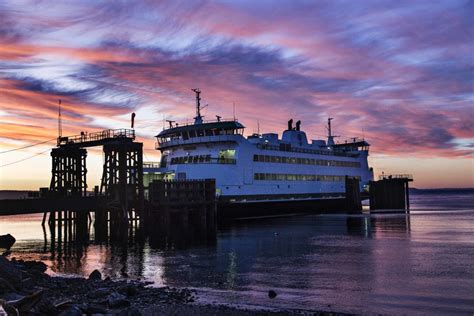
x,y
418,263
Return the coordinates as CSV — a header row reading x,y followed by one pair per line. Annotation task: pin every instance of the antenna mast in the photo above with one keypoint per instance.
x,y
198,118
330,135
60,128
329,126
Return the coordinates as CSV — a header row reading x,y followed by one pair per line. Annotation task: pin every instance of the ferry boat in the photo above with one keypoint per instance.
x,y
261,174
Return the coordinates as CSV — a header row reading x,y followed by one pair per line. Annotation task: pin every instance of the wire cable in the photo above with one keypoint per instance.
x,y
27,146
14,162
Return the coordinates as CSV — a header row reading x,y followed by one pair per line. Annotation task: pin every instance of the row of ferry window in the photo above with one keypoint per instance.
x,y
297,177
200,159
191,159
306,161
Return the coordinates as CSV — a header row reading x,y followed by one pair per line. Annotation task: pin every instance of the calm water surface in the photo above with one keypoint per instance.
x,y
393,264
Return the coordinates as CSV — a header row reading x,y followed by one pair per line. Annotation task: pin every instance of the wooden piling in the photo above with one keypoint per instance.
x,y
353,199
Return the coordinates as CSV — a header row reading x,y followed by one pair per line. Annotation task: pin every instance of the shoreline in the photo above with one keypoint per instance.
x,y
26,288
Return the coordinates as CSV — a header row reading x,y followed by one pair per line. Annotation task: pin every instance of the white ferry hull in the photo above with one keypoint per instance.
x,y
263,174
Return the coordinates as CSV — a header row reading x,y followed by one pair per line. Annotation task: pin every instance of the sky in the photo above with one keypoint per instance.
x,y
398,73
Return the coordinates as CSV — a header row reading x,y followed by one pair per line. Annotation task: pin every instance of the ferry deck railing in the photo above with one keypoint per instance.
x,y
408,177
194,140
189,123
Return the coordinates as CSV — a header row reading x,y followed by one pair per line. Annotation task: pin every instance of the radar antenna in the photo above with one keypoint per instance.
x,y
170,122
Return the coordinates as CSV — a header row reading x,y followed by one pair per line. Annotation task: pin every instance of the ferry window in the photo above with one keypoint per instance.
x,y
273,159
217,132
208,132
255,157
195,159
227,154
192,134
293,160
200,133
185,135
208,158
267,158
201,159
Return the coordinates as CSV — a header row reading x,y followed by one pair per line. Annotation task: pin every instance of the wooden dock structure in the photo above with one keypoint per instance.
x,y
188,204
391,192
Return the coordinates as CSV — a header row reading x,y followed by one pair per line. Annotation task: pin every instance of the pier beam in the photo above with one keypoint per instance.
x,y
122,177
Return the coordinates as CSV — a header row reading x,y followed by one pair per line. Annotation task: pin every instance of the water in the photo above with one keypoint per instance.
x,y
420,263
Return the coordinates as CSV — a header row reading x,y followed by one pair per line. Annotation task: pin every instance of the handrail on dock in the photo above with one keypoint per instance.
x,y
86,137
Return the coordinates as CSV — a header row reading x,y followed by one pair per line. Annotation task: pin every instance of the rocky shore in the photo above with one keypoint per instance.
x,y
26,289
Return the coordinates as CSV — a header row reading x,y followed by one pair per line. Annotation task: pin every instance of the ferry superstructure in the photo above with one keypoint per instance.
x,y
261,169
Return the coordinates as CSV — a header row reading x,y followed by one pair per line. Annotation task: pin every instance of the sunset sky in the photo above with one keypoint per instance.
x,y
399,73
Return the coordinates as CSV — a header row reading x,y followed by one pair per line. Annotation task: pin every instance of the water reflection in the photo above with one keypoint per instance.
x,y
392,264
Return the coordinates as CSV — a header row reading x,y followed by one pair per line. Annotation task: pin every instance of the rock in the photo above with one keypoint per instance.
x,y
10,272
63,304
95,275
46,307
95,309
26,303
129,290
272,294
5,286
116,300
27,283
12,296
131,311
35,265
71,311
60,283
7,241
99,292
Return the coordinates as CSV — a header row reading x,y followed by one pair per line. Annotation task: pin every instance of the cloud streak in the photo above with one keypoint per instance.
x,y
400,73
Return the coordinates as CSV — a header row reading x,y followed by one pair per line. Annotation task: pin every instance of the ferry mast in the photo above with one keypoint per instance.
x,y
198,118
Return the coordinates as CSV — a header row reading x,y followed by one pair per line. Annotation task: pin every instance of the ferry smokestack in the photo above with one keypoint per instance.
x,y
133,120
298,125
290,125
